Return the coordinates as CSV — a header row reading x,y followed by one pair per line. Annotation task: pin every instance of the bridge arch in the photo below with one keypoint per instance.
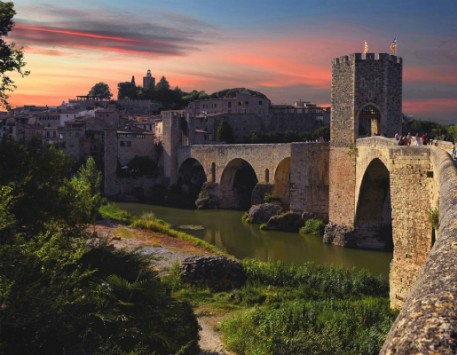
x,y
373,217
191,177
237,182
369,119
282,181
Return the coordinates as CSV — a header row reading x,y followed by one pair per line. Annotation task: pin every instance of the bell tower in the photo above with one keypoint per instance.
x,y
148,81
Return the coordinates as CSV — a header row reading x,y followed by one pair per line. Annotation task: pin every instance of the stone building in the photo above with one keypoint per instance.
x,y
247,111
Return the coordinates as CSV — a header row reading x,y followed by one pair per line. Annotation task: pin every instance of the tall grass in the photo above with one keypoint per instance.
x,y
113,212
337,281
310,327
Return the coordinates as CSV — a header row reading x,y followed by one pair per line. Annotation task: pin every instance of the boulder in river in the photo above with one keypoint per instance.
x,y
262,213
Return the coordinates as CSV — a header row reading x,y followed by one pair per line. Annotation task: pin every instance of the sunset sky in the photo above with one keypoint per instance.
x,y
281,48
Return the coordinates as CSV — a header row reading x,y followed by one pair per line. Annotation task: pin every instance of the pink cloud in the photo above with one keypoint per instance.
x,y
430,105
435,74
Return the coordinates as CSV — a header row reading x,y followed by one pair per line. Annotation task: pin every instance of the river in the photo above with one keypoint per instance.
x,y
224,229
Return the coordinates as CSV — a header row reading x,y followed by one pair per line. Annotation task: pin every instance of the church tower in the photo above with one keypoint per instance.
x,y
366,100
148,81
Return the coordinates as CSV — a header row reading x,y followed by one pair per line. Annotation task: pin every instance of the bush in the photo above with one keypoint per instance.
x,y
313,226
87,298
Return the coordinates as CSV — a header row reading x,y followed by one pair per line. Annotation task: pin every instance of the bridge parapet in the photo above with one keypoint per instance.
x,y
427,322
376,141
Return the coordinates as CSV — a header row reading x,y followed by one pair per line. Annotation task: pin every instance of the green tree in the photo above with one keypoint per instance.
x,y
100,90
83,192
225,132
162,85
6,199
126,90
35,171
11,57
453,131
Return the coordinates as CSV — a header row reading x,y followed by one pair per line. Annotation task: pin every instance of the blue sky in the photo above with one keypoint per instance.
x,y
281,48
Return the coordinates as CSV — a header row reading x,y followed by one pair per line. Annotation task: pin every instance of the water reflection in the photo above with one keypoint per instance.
x,y
224,229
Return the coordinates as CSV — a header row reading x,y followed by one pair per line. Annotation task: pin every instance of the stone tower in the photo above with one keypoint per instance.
x,y
148,81
366,100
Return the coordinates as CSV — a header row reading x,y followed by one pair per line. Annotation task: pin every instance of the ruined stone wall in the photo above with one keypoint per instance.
x,y
427,322
309,180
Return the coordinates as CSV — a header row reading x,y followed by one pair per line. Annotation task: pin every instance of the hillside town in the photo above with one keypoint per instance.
x,y
82,125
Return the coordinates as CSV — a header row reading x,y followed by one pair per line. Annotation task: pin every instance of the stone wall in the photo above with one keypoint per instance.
x,y
309,181
411,182
427,322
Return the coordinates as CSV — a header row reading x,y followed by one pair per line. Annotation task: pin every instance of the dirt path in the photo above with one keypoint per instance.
x,y
166,251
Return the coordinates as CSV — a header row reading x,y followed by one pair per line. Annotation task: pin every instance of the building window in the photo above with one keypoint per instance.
x,y
229,104
122,144
129,143
260,103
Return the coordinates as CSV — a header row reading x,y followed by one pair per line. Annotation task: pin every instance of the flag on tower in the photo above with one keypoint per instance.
x,y
393,45
365,47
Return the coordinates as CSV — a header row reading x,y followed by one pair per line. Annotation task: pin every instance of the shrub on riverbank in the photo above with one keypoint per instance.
x,y
313,226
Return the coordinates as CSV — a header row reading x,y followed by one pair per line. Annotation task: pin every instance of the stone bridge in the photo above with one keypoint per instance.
x,y
297,172
374,193
398,196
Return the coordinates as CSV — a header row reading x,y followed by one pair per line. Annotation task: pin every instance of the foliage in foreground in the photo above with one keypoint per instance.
x,y
61,292
60,298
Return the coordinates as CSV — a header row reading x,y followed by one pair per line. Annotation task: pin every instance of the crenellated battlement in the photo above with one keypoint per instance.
x,y
359,57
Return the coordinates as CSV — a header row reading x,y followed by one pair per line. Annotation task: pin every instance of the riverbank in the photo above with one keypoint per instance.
x,y
277,305
166,251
